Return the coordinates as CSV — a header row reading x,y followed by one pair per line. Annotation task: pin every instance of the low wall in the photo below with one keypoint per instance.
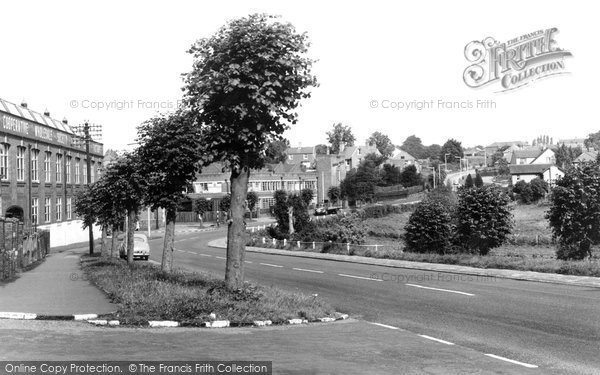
x,y
69,232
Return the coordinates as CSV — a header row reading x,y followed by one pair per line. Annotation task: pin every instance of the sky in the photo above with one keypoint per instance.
x,y
118,63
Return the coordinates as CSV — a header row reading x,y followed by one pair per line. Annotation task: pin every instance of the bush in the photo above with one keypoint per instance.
x,y
530,192
575,212
483,218
429,228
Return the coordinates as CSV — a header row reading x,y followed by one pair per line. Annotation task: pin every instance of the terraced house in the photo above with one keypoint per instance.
x,y
42,166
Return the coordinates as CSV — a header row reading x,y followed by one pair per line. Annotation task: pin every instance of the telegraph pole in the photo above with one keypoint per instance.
x,y
86,132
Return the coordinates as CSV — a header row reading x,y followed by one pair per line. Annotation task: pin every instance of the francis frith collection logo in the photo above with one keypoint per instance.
x,y
514,63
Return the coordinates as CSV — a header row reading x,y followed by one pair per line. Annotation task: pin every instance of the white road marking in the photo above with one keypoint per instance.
x,y
359,277
441,290
204,255
219,257
271,265
528,365
247,261
438,340
190,252
384,325
305,270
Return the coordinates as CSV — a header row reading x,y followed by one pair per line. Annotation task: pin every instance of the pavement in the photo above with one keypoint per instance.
x,y
542,277
55,287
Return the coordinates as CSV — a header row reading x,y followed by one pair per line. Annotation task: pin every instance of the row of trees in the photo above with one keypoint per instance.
x,y
240,96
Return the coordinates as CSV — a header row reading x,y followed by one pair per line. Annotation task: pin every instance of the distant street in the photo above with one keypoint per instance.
x,y
546,325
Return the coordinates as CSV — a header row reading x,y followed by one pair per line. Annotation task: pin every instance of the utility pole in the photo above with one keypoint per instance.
x,y
86,134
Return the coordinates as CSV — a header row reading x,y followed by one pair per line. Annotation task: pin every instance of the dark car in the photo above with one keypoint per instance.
x,y
333,210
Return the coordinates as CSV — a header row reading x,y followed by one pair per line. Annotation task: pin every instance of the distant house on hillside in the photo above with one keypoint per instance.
x,y
527,172
533,156
403,159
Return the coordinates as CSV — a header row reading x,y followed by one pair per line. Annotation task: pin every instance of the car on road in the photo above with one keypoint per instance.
x,y
320,211
141,248
333,210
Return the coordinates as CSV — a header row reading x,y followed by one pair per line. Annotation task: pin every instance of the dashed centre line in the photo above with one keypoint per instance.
x,y
205,255
271,265
306,270
437,340
383,325
441,290
528,365
359,277
220,257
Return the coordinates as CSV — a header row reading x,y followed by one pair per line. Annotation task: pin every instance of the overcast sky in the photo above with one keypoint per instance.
x,y
68,56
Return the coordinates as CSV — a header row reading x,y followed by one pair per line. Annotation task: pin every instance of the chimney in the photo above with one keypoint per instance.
x,y
65,121
47,113
23,103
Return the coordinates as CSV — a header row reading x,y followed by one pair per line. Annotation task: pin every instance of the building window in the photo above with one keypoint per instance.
x,y
84,173
47,166
201,187
59,169
267,203
4,161
20,163
59,209
47,203
68,169
35,156
34,210
77,171
92,172
69,208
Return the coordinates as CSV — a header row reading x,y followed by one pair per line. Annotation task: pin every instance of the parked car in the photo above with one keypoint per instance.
x,y
320,211
333,210
141,248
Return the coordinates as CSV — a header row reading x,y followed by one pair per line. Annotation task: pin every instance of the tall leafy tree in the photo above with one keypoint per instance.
x,y
170,152
469,181
410,176
126,184
321,149
414,146
454,148
565,156
383,143
478,182
334,194
201,205
246,83
338,135
593,141
275,152
252,199
391,175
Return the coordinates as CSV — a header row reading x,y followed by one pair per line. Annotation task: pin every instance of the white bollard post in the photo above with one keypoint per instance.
x,y
264,240
376,246
284,242
313,245
274,242
348,247
298,243
252,229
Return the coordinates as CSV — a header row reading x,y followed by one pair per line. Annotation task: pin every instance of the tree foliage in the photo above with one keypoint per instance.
x,y
334,194
201,205
338,135
593,141
321,149
246,83
429,228
275,152
359,184
574,213
252,199
454,149
383,143
483,219
469,181
410,176
565,156
530,192
390,175
478,182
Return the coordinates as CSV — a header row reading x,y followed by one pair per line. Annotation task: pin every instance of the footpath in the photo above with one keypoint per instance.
x,y
542,277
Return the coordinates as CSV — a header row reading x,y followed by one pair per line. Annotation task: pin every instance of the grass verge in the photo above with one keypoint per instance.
x,y
143,293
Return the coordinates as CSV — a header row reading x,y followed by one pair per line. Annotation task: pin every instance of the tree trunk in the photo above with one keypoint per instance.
x,y
131,219
103,247
168,246
291,219
113,243
236,231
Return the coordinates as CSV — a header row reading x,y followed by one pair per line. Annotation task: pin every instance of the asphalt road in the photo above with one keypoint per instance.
x,y
554,327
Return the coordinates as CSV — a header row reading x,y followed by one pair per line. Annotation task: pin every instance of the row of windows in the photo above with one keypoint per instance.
x,y
47,170
58,210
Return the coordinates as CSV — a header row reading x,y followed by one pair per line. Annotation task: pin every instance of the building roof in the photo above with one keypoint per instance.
x,y
511,143
28,114
300,150
530,168
587,156
527,153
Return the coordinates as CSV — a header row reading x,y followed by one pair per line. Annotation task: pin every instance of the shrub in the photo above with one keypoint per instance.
x,y
539,188
575,212
429,228
478,180
483,219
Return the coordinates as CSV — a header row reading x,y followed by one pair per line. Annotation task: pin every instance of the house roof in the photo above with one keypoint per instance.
x,y
300,150
502,144
530,168
587,156
28,114
527,153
